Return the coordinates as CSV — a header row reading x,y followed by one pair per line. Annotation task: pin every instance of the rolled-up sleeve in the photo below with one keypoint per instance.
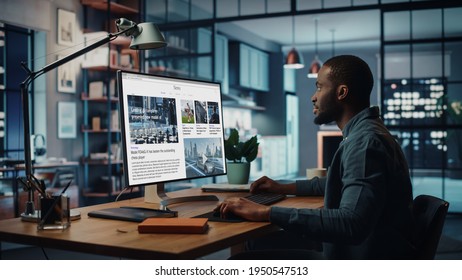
x,y
313,187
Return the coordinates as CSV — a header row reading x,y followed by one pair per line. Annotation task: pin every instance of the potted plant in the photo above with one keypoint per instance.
x,y
239,155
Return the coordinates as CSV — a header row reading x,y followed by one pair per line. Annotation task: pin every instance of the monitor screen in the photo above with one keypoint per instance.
x,y
172,128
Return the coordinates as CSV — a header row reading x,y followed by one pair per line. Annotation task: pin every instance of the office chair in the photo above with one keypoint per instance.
x,y
429,214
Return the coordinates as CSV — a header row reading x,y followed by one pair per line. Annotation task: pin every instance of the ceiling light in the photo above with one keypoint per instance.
x,y
316,63
294,60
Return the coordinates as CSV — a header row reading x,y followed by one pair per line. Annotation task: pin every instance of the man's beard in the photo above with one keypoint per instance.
x,y
324,118
329,114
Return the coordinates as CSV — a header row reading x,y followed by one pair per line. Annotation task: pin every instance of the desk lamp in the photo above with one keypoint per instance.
x,y
144,36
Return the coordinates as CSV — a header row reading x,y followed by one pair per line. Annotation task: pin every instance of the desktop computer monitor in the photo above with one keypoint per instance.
x,y
172,129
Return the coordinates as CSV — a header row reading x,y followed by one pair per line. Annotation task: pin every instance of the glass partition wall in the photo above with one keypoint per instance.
x,y
421,95
419,79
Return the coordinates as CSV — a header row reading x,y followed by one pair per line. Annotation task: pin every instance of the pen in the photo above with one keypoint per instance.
x,y
39,186
65,188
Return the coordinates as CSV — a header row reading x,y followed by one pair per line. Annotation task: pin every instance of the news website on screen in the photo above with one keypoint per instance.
x,y
173,128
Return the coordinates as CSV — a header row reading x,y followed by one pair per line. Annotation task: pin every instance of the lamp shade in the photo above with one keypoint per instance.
x,y
148,36
314,68
294,60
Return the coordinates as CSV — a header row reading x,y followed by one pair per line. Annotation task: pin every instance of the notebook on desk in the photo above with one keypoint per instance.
x,y
224,187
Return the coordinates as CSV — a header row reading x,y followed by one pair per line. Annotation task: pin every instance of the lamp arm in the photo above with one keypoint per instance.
x,y
33,75
29,183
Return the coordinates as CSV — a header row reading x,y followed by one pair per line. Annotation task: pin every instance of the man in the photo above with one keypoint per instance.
x,y
367,191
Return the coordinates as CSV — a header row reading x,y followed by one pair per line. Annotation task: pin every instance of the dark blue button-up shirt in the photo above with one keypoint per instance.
x,y
367,197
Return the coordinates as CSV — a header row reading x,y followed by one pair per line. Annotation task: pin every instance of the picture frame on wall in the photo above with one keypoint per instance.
x,y
66,77
66,27
67,120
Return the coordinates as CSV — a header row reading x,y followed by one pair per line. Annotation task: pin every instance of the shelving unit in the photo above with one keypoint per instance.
x,y
192,53
101,159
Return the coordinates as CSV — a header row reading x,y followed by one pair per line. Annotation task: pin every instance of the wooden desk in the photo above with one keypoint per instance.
x,y
121,239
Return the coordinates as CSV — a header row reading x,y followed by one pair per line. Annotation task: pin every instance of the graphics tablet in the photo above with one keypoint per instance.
x,y
131,214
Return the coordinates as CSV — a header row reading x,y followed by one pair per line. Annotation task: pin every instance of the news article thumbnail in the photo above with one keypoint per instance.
x,y
152,120
187,111
203,157
201,112
214,117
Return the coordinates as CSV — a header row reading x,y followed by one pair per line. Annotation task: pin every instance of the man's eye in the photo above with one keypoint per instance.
x,y
318,88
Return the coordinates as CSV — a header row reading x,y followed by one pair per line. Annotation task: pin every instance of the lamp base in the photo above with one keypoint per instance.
x,y
30,217
75,215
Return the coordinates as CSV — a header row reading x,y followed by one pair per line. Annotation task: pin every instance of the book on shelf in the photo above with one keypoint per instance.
x,y
116,151
112,88
115,125
101,156
100,89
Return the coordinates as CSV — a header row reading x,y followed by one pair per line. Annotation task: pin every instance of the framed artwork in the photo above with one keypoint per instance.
x,y
66,28
67,123
66,77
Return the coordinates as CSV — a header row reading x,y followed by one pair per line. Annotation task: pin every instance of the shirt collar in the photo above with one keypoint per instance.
x,y
371,112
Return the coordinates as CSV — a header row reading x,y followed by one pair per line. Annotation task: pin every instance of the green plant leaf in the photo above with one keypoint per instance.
x,y
251,149
231,152
233,137
236,151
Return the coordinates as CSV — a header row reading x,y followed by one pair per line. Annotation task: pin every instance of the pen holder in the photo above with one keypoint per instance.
x,y
54,212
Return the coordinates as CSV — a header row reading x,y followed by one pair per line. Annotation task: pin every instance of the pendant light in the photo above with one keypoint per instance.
x,y
294,60
316,63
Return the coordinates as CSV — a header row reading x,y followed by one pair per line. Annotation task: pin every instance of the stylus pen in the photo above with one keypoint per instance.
x,y
53,205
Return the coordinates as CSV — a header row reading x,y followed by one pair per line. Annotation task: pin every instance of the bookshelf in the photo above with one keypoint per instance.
x,y
101,159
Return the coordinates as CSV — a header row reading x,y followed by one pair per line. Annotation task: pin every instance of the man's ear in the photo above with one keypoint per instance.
x,y
342,92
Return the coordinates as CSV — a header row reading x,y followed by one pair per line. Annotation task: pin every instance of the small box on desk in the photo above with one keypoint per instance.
x,y
173,225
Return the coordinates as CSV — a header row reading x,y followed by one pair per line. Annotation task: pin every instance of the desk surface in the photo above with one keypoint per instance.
x,y
121,239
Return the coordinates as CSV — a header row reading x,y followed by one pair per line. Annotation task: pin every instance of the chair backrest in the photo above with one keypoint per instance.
x,y
429,214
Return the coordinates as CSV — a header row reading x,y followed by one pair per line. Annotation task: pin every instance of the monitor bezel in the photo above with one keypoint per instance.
x,y
124,136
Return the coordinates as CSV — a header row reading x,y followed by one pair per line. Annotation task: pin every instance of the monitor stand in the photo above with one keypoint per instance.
x,y
156,194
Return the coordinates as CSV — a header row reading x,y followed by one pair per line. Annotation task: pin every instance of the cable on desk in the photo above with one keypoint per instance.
x,y
121,192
